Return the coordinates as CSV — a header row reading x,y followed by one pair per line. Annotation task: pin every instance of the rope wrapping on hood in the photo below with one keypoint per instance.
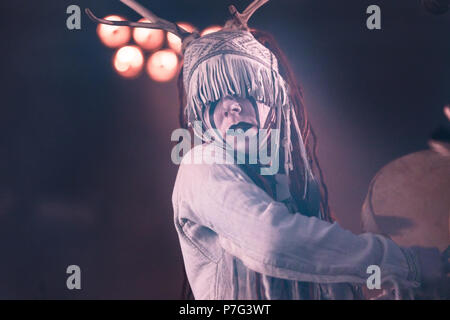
x,y
234,63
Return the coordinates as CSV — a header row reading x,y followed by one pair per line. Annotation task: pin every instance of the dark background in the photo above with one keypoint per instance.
x,y
85,170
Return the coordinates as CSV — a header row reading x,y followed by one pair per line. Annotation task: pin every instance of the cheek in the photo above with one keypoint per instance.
x,y
250,112
220,123
216,117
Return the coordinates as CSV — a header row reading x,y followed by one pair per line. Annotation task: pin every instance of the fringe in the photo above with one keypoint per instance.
x,y
233,74
308,175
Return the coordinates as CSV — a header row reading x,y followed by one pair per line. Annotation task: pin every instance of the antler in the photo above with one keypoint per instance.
x,y
240,20
144,12
155,21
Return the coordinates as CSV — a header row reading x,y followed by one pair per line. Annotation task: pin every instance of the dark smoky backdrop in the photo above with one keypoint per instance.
x,y
85,170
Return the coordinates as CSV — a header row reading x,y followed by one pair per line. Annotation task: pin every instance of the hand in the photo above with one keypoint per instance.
x,y
435,284
434,268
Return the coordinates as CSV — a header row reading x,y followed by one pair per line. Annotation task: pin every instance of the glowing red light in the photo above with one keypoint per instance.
x,y
113,36
174,41
162,66
128,61
210,29
149,39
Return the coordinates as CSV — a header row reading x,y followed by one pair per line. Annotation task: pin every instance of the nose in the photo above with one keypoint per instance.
x,y
235,109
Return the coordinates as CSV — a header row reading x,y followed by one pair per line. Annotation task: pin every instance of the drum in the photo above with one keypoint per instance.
x,y
409,201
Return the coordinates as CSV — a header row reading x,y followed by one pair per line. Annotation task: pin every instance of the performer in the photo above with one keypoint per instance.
x,y
249,235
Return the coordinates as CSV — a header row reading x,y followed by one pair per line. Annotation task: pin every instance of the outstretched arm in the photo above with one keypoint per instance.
x,y
268,239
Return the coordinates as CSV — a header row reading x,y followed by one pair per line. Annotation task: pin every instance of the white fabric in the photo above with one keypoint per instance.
x,y
231,231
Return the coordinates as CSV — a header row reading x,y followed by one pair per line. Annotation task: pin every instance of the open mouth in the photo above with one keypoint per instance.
x,y
239,128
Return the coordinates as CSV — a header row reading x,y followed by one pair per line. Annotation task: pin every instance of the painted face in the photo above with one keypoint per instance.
x,y
235,119
234,113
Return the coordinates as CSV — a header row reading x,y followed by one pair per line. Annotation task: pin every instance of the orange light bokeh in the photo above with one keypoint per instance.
x,y
113,36
210,29
174,41
162,66
149,39
128,61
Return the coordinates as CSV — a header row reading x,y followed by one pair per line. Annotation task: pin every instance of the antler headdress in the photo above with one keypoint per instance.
x,y
228,62
237,22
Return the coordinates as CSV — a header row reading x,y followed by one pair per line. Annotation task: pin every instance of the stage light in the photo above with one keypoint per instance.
x,y
162,66
210,29
113,36
174,41
128,61
149,39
